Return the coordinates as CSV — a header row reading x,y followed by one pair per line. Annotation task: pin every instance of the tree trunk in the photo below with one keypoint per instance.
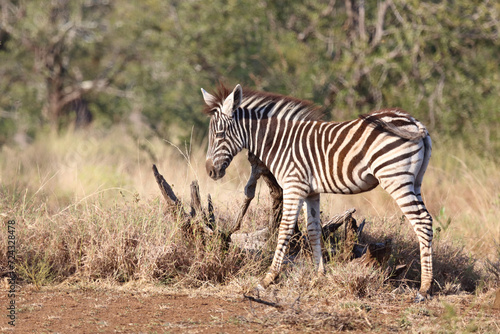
x,y
83,115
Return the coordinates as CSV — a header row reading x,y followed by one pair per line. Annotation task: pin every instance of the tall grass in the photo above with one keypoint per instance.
x,y
87,207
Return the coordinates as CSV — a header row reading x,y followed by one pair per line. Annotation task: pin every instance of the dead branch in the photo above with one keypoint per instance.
x,y
261,301
208,221
335,222
376,254
195,199
167,192
379,27
211,215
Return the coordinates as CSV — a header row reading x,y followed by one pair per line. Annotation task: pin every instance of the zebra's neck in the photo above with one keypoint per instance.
x,y
265,126
263,106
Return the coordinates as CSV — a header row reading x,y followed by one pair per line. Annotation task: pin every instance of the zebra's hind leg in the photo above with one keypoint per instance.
x,y
314,231
425,241
292,203
423,226
414,209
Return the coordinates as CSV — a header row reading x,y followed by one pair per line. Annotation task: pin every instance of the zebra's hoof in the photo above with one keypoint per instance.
x,y
267,281
420,298
259,288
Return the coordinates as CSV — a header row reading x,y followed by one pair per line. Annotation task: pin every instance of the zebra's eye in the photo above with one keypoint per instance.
x,y
220,134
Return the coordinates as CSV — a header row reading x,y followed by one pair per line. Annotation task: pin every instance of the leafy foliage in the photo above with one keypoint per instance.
x,y
145,61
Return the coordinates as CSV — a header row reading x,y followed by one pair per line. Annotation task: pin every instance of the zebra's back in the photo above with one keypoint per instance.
x,y
354,156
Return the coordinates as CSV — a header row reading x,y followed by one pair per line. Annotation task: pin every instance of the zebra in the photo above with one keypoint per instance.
x,y
309,156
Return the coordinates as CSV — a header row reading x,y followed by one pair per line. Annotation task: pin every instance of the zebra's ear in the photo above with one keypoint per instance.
x,y
209,98
233,101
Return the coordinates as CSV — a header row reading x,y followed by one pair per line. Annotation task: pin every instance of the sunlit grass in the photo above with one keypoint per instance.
x,y
82,199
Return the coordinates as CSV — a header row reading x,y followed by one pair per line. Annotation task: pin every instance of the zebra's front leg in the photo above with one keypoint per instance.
x,y
249,193
314,231
292,203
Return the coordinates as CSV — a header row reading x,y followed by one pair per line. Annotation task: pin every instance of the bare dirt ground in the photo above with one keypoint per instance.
x,y
91,311
95,310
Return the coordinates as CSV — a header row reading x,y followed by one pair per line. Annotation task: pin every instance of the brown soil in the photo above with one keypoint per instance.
x,y
90,310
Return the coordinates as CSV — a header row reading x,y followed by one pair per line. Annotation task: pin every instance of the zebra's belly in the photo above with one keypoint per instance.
x,y
350,184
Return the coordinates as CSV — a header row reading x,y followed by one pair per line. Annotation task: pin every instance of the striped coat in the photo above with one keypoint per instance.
x,y
309,156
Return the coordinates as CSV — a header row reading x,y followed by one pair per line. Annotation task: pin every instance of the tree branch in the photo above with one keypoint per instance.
x,y
379,26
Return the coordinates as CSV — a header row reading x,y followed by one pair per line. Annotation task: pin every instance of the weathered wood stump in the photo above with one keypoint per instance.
x,y
207,226
199,221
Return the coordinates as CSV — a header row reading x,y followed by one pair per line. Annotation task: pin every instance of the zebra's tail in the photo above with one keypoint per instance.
x,y
408,134
402,132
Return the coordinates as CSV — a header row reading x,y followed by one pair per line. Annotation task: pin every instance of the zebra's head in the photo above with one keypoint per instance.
x,y
223,143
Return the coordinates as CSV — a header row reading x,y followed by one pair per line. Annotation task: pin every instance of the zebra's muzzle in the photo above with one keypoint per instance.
x,y
213,172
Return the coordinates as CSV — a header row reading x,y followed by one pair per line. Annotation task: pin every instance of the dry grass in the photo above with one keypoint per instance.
x,y
87,209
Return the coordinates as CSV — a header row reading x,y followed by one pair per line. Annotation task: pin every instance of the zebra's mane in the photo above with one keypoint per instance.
x,y
302,109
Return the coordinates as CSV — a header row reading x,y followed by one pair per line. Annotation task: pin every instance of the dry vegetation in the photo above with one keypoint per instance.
x,y
89,213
